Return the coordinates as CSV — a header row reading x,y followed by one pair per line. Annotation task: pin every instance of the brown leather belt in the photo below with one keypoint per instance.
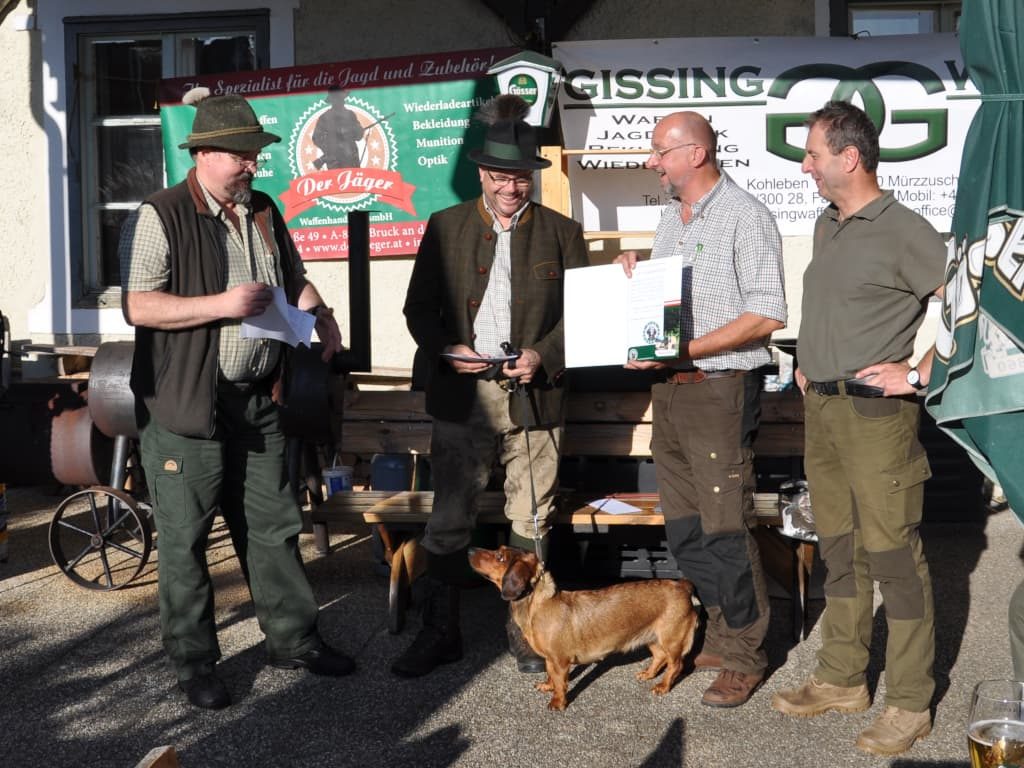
x,y
696,376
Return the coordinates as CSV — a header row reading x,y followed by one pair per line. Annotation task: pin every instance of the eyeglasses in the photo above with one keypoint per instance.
x,y
520,182
662,152
243,161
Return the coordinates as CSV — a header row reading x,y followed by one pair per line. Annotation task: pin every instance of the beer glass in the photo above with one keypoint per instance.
x,y
995,729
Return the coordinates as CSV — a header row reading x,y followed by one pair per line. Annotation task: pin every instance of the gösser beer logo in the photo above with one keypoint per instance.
x,y
350,188
860,81
525,87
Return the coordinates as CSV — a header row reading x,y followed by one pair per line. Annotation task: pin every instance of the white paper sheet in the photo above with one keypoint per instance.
x,y
280,321
606,312
614,507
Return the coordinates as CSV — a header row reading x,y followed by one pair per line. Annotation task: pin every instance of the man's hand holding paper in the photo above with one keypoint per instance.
x,y
279,320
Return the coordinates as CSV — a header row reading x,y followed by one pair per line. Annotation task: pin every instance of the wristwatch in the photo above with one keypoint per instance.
x,y
914,379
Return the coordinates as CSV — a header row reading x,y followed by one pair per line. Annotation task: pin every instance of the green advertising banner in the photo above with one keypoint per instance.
x,y
385,136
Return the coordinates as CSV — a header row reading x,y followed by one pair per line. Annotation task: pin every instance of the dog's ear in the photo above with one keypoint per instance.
x,y
516,581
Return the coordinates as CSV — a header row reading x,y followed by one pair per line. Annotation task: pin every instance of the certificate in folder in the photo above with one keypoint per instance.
x,y
611,319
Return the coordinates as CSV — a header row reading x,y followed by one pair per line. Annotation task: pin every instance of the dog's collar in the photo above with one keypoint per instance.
x,y
538,576
531,584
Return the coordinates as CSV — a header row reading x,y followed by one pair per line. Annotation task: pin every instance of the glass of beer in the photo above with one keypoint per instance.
x,y
995,730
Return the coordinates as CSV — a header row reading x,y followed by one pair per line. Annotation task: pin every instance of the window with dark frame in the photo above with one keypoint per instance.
x,y
115,149
885,17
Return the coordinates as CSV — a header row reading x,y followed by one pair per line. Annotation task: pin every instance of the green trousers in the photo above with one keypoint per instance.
x,y
241,472
866,470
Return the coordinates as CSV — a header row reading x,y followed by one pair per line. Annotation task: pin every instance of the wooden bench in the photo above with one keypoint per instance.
x,y
599,425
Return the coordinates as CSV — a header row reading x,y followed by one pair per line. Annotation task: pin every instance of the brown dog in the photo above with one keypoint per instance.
x,y
584,626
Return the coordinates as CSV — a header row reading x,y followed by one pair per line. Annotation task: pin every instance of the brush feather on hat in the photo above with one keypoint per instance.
x,y
511,142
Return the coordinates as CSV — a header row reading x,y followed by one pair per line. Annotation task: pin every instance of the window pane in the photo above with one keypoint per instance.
x,y
110,233
219,53
893,22
127,76
130,162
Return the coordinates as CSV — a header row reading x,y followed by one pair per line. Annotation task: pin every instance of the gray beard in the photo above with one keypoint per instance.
x,y
242,194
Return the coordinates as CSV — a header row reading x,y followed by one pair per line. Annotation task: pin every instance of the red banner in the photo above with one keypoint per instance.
x,y
305,191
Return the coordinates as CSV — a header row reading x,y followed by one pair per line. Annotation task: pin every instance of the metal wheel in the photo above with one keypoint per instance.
x,y
100,539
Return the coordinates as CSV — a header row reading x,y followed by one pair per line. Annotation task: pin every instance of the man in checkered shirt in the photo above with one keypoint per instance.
x,y
706,411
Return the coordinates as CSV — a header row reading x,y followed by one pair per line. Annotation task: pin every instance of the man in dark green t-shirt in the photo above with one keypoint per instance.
x,y
874,266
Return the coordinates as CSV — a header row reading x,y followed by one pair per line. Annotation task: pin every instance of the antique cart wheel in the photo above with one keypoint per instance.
x,y
100,538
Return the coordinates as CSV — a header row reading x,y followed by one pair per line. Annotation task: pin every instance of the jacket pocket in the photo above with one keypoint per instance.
x,y
547,270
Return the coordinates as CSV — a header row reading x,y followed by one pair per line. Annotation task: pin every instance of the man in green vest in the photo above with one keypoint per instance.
x,y
195,260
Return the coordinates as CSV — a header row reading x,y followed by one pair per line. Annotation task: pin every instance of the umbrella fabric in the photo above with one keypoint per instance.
x,y
977,385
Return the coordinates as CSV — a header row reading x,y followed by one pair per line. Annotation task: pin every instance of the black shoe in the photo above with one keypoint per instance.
x,y
320,661
526,660
206,691
429,650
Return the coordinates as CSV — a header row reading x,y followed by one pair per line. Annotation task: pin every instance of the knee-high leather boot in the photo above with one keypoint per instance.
x,y
439,641
527,660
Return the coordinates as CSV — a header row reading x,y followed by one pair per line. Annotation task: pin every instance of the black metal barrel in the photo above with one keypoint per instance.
x,y
111,402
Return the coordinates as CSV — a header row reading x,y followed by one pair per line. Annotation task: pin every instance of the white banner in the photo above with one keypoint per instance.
x,y
756,92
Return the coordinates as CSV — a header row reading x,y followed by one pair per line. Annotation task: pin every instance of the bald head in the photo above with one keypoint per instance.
x,y
684,127
683,155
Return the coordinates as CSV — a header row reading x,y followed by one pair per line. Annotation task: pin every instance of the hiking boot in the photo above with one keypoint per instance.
x,y
815,697
731,689
894,731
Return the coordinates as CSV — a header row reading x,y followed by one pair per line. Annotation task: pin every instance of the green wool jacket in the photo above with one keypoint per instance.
x,y
447,286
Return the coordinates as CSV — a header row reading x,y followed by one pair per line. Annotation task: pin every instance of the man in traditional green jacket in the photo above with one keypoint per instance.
x,y
488,278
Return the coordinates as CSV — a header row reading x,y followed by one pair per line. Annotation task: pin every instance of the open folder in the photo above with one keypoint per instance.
x,y
611,318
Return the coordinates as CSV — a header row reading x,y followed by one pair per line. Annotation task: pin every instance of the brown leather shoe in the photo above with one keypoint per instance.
x,y
707,660
731,689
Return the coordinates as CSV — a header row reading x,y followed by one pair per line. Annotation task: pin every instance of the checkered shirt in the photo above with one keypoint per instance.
x,y
732,263
146,264
493,322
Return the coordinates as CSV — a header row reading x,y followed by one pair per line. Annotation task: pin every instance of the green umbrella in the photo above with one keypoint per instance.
x,y
977,385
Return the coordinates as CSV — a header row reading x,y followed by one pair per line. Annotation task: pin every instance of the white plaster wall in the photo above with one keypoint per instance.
x,y
24,247
619,20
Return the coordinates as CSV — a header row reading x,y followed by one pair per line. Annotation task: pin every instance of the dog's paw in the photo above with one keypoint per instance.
x,y
557,703
661,688
544,687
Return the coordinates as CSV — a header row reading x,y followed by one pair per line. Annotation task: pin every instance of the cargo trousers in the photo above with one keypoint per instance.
x,y
866,470
462,455
704,467
241,473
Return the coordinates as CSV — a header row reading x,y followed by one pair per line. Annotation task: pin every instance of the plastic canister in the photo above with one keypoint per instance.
x,y
391,471
337,479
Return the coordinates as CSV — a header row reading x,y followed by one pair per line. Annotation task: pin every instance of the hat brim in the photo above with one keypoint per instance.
x,y
238,142
505,164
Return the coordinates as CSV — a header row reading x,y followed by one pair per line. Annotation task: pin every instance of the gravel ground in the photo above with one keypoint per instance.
x,y
84,682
